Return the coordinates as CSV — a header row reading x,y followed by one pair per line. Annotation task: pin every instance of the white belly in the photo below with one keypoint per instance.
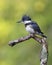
x,y
29,29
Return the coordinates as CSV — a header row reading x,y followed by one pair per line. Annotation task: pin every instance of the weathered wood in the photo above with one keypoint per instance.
x,y
42,41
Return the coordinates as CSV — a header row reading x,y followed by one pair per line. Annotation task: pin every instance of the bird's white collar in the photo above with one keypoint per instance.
x,y
25,22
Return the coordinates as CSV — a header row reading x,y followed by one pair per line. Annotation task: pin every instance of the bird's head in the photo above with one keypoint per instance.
x,y
25,19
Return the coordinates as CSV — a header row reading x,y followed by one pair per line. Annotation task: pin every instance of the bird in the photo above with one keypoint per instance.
x,y
31,26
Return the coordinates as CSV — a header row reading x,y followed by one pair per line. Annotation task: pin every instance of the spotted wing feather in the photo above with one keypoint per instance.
x,y
36,27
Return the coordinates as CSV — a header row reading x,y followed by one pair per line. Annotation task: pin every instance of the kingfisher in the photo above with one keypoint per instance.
x,y
31,26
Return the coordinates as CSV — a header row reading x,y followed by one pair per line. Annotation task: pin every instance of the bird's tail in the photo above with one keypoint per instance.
x,y
43,35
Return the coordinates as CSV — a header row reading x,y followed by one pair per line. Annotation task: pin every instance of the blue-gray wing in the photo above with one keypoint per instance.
x,y
36,27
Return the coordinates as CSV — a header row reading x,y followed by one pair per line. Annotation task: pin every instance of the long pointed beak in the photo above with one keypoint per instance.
x,y
18,22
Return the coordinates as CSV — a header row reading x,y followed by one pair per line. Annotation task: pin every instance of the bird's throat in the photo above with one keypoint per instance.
x,y
25,22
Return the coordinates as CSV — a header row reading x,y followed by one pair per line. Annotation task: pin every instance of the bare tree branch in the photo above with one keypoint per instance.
x,y
42,41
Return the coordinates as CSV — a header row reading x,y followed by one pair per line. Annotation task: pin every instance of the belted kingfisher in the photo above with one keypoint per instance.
x,y
31,26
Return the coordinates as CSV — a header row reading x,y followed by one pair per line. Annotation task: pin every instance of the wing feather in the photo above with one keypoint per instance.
x,y
36,27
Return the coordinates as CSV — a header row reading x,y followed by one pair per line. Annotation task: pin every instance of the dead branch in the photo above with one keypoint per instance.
x,y
42,41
